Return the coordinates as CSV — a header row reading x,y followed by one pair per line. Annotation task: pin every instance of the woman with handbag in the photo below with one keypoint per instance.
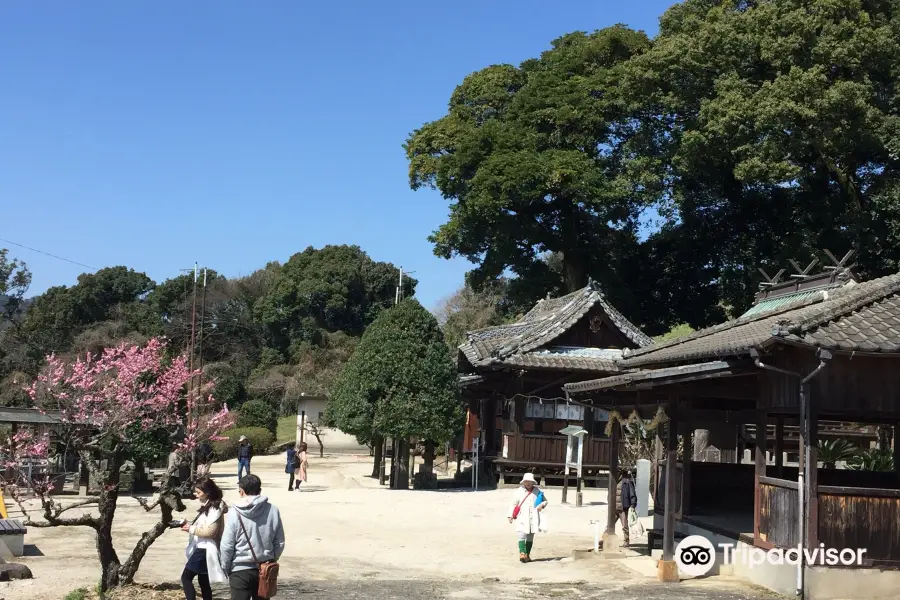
x,y
525,511
203,544
302,464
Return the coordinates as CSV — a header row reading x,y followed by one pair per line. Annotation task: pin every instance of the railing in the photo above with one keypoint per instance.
x,y
779,509
861,518
552,449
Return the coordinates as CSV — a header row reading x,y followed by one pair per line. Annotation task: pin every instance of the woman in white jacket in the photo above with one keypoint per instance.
x,y
525,511
203,544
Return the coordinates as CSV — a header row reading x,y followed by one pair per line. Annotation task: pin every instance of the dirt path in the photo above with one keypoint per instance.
x,y
343,527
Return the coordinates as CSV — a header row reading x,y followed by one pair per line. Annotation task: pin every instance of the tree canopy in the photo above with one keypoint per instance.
x,y
400,382
756,131
536,159
279,331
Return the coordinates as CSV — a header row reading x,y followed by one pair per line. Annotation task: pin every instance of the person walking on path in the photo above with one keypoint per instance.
x,y
245,454
525,511
205,456
290,466
203,544
626,499
302,464
253,534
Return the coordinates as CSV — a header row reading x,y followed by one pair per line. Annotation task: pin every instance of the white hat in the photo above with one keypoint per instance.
x,y
529,477
243,438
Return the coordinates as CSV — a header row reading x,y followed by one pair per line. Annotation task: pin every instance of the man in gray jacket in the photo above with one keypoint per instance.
x,y
262,529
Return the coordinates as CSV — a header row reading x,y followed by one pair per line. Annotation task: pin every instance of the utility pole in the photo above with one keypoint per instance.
x,y
199,368
190,414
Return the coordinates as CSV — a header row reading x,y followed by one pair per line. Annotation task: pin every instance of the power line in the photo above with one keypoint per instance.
x,y
74,262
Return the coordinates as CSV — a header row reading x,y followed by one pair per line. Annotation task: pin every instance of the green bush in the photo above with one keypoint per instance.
x,y
261,439
257,413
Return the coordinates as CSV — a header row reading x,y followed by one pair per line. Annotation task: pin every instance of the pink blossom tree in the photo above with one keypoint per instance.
x,y
104,404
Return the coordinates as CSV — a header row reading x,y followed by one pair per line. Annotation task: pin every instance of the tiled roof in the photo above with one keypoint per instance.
x,y
570,359
679,373
513,343
859,316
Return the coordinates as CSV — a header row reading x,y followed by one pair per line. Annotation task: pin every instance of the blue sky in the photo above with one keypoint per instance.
x,y
156,134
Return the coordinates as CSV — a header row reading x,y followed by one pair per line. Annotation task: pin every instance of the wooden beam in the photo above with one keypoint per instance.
x,y
897,449
671,474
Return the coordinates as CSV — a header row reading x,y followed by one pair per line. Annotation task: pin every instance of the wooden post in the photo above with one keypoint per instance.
x,y
577,491
686,462
738,445
667,567
612,517
657,457
896,448
779,446
565,491
812,455
760,455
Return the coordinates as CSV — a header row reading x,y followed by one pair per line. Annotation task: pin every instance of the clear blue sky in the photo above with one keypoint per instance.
x,y
156,134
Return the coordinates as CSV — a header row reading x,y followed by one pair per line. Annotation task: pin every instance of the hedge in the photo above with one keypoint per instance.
x,y
261,439
257,413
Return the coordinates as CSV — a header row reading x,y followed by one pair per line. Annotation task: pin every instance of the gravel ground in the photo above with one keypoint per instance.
x,y
440,590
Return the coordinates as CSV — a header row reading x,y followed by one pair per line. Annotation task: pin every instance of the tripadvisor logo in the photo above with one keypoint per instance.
x,y
695,556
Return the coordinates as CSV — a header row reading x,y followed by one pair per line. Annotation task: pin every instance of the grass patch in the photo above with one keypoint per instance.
x,y
287,430
79,594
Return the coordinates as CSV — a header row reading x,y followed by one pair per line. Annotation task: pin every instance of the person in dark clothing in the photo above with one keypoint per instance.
x,y
290,466
245,454
626,498
205,457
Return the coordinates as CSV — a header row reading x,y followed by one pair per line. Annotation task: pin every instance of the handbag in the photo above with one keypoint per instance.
x,y
518,508
268,571
634,524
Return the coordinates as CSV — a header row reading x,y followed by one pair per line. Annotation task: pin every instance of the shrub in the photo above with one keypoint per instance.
x,y
261,439
257,413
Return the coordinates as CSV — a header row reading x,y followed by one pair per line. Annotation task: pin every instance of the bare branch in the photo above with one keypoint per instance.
x,y
147,507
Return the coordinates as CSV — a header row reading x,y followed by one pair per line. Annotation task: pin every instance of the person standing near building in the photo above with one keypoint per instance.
x,y
626,499
525,511
302,463
245,454
253,535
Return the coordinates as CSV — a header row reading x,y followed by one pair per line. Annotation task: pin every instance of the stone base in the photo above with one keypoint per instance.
x,y
667,571
611,546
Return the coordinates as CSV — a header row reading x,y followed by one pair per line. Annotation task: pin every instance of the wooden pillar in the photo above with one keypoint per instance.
x,y
667,568
612,517
779,446
896,448
812,455
738,445
686,461
760,455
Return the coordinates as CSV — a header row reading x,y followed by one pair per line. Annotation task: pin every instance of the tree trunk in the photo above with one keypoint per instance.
x,y
574,272
379,452
401,470
170,501
321,445
108,479
429,457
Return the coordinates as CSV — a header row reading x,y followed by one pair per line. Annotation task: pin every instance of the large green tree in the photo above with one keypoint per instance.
x,y
335,288
400,382
537,159
773,126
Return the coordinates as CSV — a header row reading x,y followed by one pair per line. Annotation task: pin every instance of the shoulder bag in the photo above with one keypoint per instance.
x,y
519,507
268,571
